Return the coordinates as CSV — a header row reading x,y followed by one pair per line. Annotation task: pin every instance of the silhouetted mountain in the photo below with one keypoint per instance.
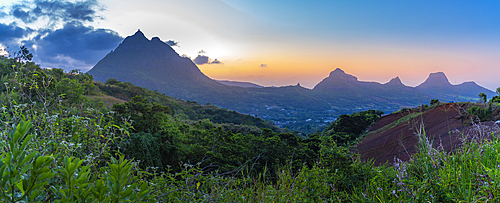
x,y
239,84
337,80
340,87
395,82
154,65
438,86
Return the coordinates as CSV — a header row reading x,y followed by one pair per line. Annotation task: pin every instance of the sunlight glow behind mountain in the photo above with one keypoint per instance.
x,y
275,43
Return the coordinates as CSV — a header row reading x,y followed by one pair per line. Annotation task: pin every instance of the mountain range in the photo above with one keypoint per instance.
x,y
155,65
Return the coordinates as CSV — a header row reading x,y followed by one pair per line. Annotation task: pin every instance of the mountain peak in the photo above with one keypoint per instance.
x,y
139,33
138,37
438,75
395,81
137,55
337,71
337,79
437,79
339,74
156,39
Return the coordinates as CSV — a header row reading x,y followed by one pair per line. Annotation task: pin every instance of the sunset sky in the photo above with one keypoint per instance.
x,y
273,42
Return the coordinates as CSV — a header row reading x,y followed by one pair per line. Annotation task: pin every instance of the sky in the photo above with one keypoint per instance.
x,y
272,42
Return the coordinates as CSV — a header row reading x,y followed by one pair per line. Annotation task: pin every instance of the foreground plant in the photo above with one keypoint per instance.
x,y
28,176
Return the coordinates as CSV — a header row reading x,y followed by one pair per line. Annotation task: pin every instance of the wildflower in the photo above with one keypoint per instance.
x,y
102,136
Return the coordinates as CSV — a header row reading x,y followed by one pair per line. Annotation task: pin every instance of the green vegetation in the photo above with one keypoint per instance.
x,y
488,111
348,128
482,97
434,102
65,138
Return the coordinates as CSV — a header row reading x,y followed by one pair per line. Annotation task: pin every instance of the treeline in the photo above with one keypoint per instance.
x,y
160,141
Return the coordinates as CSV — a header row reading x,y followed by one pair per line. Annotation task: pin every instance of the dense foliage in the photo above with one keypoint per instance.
x,y
489,111
348,128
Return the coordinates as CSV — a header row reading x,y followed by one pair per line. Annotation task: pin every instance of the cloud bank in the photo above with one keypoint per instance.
x,y
74,41
31,11
66,41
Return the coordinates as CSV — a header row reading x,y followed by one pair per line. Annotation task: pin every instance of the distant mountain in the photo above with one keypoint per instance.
x,y
339,87
395,82
239,84
155,65
438,86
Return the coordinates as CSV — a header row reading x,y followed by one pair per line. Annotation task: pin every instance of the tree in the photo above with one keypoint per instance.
x,y
71,89
349,127
482,97
434,101
147,117
498,91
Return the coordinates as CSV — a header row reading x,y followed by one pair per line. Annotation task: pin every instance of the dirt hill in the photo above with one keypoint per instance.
x,y
395,135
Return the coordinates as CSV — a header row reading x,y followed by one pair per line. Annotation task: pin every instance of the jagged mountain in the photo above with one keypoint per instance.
x,y
340,87
155,65
438,86
394,82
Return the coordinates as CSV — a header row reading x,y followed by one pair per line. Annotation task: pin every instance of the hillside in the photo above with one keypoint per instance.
x,y
395,135
118,92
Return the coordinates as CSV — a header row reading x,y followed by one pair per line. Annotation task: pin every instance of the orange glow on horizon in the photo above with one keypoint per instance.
x,y
308,70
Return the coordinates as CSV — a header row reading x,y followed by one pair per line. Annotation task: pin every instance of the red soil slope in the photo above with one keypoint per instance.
x,y
395,135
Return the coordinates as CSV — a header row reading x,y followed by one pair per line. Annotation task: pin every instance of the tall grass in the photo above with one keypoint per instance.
x,y
468,174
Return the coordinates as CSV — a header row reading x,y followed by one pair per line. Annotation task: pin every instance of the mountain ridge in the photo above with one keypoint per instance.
x,y
239,84
437,85
153,64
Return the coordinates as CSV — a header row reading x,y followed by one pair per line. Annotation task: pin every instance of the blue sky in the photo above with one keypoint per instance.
x,y
273,42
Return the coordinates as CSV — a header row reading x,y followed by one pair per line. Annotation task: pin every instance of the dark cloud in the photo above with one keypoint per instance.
x,y
73,46
200,60
263,65
11,33
24,15
216,62
172,43
84,11
75,41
